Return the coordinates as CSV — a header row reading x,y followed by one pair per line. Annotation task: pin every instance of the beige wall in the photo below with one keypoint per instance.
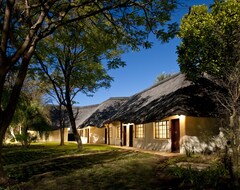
x,y
96,135
92,135
200,126
150,143
195,128
201,134
112,129
83,135
51,136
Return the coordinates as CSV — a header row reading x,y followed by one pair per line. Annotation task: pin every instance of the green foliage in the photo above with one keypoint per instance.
x,y
74,65
29,114
200,179
210,39
25,24
210,44
25,139
189,149
163,76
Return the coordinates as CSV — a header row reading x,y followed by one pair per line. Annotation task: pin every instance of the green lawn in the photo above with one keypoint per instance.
x,y
49,166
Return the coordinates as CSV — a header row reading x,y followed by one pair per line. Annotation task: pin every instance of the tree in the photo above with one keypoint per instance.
x,y
30,115
163,76
74,65
30,112
211,44
26,23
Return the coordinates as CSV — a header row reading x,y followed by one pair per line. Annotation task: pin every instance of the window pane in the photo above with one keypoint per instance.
x,y
162,130
139,131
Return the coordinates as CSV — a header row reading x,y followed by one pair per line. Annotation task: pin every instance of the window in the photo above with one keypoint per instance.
x,y
139,131
118,132
162,130
81,133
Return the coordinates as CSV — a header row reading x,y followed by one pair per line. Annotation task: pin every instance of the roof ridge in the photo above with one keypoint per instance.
x,y
120,97
88,106
159,83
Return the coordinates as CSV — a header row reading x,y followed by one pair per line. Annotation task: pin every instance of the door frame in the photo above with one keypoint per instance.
x,y
124,135
175,135
130,135
88,135
106,135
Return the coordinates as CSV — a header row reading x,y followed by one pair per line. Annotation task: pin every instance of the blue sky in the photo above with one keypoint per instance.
x,y
142,67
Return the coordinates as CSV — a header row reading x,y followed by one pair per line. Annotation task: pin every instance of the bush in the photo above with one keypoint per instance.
x,y
200,179
25,139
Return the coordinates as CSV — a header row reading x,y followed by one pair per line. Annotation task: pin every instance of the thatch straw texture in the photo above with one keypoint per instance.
x,y
173,96
104,112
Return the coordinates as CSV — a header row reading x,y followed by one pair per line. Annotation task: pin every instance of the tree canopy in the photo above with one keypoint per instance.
x,y
211,44
164,76
72,62
24,24
210,39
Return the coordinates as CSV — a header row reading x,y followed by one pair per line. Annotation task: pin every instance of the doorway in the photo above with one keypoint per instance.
x,y
131,135
124,136
106,135
175,135
87,135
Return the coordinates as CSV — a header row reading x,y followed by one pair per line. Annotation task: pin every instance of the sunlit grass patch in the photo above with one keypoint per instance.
x,y
114,170
45,166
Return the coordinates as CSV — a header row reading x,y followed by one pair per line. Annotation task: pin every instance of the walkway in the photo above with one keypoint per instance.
x,y
165,154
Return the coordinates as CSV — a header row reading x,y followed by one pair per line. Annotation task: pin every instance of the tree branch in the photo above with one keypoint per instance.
x,y
6,26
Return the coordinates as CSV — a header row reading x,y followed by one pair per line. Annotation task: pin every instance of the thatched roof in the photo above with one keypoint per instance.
x,y
54,114
84,112
173,96
104,112
80,113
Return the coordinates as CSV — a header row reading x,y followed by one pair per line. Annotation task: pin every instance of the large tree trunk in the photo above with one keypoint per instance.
x,y
61,136
234,125
71,116
74,128
3,128
6,115
73,125
62,124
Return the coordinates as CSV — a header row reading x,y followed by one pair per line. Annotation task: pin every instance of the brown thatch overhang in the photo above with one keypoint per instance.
x,y
104,112
173,96
81,113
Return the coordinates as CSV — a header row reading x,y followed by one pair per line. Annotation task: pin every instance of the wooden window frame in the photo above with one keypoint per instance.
x,y
139,131
162,129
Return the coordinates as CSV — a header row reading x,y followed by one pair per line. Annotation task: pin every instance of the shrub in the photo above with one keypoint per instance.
x,y
25,139
200,179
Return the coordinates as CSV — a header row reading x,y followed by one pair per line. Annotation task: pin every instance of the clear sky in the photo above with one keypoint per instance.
x,y
142,68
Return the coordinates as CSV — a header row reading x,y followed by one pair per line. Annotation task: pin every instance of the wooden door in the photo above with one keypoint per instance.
x,y
106,135
124,140
175,135
130,135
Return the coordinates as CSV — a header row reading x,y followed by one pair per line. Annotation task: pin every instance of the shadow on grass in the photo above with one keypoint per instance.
x,y
120,169
18,155
63,165
94,168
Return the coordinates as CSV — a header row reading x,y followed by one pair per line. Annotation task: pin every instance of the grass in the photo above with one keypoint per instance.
x,y
50,166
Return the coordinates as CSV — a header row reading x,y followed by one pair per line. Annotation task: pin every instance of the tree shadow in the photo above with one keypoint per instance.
x,y
63,165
